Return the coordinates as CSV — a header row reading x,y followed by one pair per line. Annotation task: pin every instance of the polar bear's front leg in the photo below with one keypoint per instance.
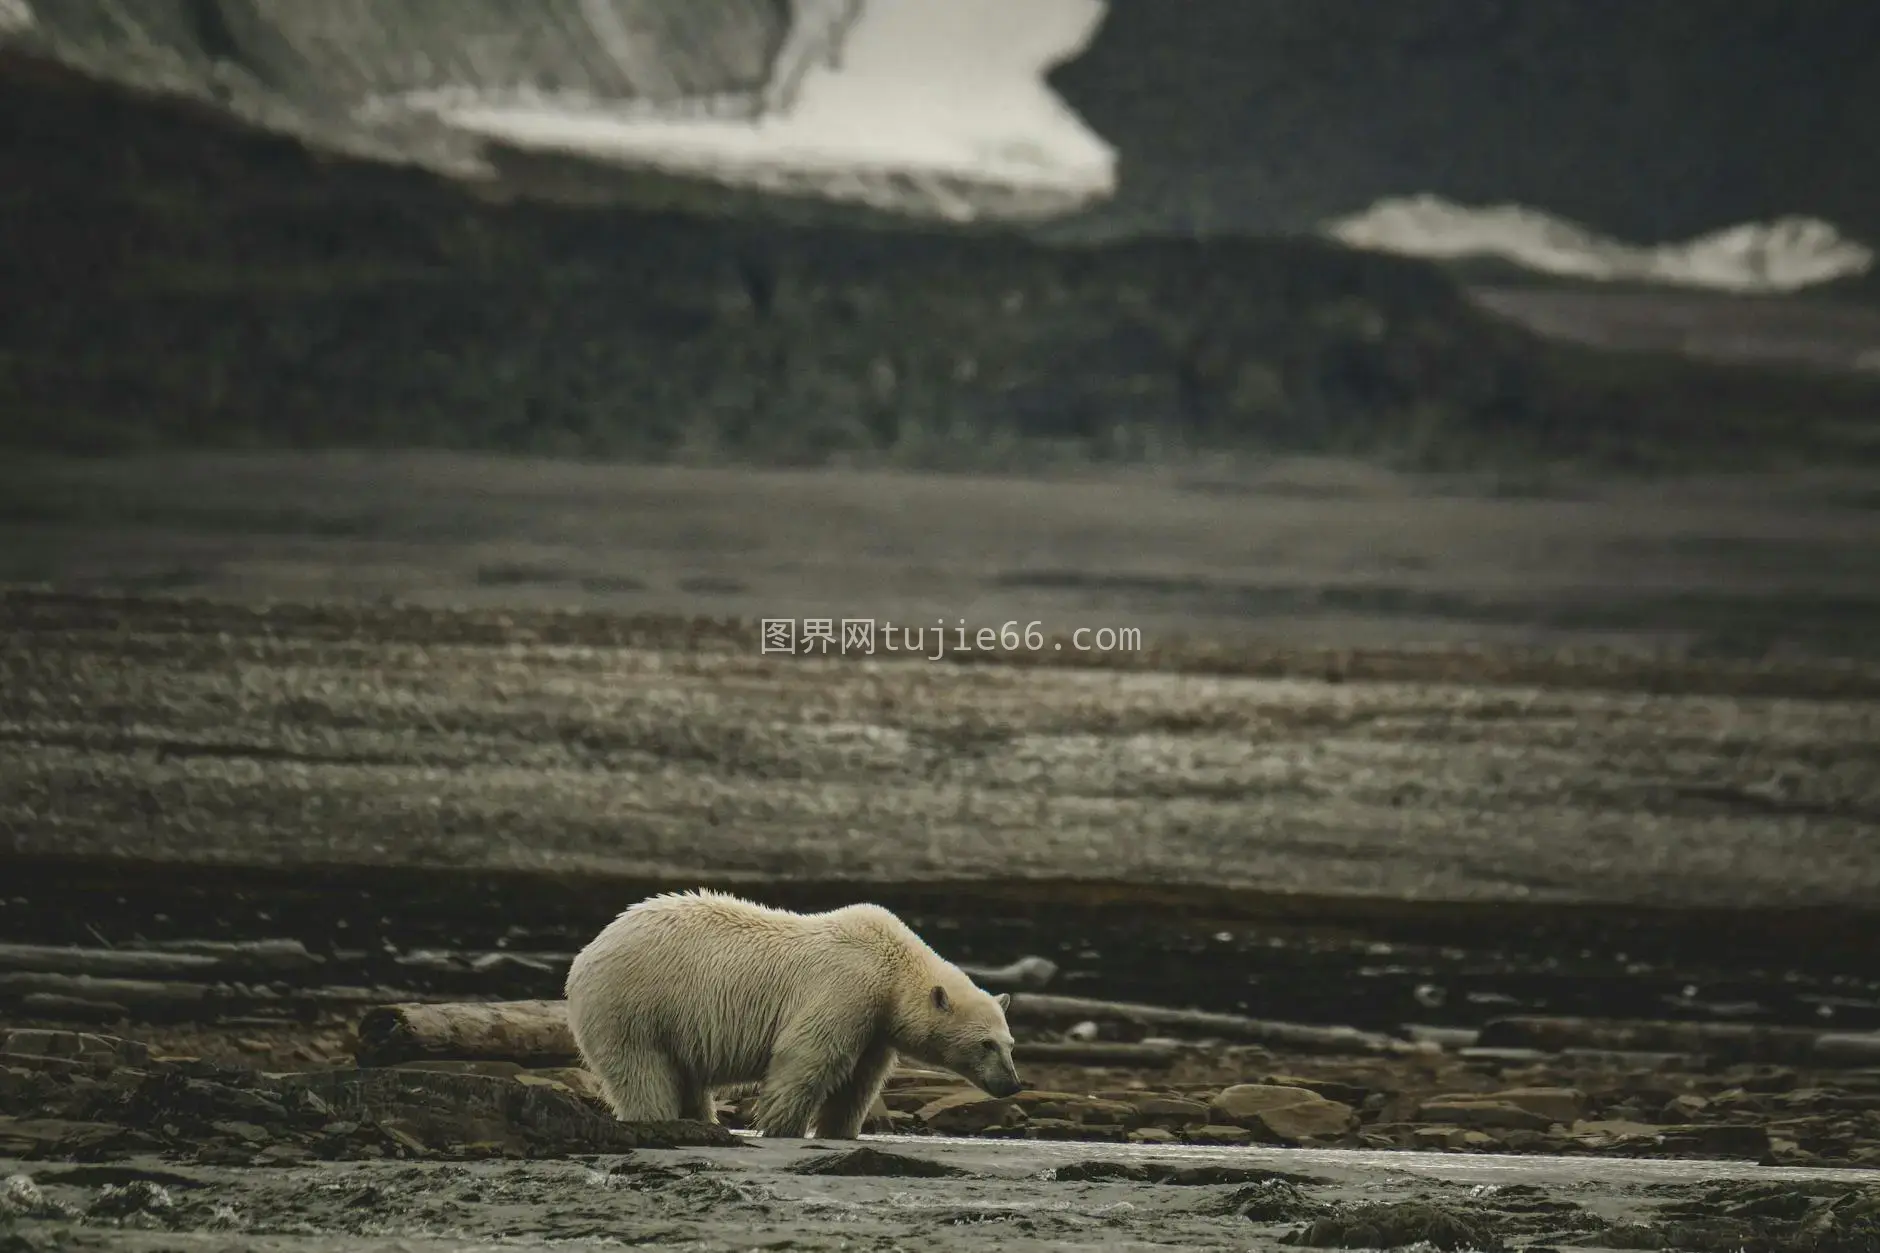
x,y
843,1113
813,1057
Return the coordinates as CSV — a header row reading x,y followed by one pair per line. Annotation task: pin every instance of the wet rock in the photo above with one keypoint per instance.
x,y
120,1200
1181,1176
1152,1135
1480,1113
1098,1112
1267,1201
1807,1216
875,1163
20,1197
96,1176
1171,1113
1311,1120
246,1132
1066,1129
25,1091
970,1112
1218,1133
1739,1101
642,1175
1284,1114
1395,1226
1047,1103
1606,1132
406,1137
225,1155
1717,1140
1330,1089
35,1138
1436,1138
442,1112
1683,1107
1244,1100
1557,1105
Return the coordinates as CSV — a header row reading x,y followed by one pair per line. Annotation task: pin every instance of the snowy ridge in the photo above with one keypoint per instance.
x,y
928,108
1784,255
909,105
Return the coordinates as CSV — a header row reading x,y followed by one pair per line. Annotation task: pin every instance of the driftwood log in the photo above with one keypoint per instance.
x,y
530,1033
139,993
1064,1010
1026,974
1125,1056
1729,1041
535,1033
187,959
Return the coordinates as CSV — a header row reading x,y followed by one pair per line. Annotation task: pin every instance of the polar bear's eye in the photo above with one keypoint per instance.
x,y
988,1044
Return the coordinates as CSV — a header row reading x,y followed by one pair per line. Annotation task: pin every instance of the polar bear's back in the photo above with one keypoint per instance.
x,y
710,977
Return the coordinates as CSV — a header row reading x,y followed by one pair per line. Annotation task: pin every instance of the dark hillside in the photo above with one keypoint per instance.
x,y
175,281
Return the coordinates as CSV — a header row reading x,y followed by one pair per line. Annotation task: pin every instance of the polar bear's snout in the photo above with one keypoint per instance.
x,y
1002,1078
991,1069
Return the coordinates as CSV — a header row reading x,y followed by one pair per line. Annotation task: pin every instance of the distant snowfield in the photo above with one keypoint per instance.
x,y
1785,255
885,101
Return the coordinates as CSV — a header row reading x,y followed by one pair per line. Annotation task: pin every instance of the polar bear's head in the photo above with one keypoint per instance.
x,y
965,1031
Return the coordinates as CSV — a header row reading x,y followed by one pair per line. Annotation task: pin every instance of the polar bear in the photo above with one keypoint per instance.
x,y
688,993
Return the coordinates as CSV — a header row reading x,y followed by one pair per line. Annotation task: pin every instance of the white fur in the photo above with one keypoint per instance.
x,y
687,993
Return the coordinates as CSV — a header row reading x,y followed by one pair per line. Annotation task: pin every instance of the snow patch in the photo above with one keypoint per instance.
x,y
15,15
940,107
1784,255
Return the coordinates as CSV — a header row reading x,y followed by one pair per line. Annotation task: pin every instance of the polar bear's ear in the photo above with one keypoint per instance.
x,y
940,1001
1004,999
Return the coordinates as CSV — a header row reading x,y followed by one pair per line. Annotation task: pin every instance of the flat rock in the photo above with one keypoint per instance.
x,y
1169,1111
1218,1133
1330,1089
1244,1100
1309,1120
970,1112
1098,1112
1481,1113
1280,1113
1745,1141
58,1137
1561,1105
1600,1132
1440,1137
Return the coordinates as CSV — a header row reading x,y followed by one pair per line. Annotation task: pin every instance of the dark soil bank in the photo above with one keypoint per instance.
x,y
183,284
